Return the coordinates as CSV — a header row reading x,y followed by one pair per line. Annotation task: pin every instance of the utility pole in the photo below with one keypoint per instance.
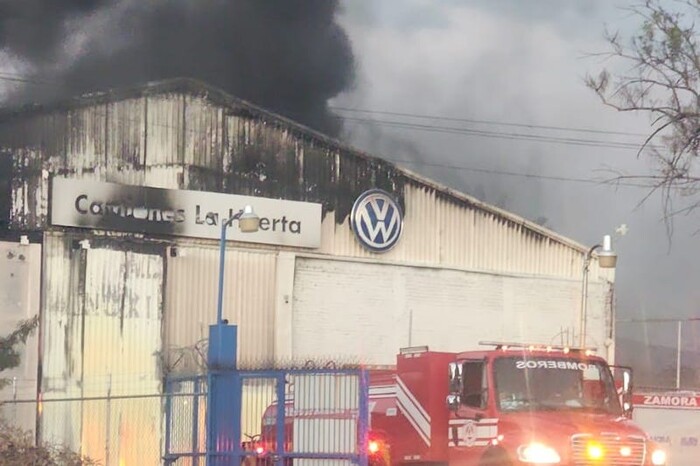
x,y
679,336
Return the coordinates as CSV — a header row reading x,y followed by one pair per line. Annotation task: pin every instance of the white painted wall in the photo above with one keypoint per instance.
x,y
20,282
677,430
355,310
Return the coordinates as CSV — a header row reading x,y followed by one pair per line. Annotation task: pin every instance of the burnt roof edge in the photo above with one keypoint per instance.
x,y
199,88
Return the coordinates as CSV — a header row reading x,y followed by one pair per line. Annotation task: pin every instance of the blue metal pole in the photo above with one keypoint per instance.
x,y
211,429
168,415
223,412
364,415
235,412
222,256
280,419
195,421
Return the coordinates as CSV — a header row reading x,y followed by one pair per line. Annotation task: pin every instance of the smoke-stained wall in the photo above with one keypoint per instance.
x,y
182,134
5,189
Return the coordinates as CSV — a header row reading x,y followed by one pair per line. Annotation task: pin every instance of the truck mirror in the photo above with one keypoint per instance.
x,y
455,378
625,387
453,402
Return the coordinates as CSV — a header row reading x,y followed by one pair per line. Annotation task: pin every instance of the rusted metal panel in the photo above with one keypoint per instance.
x,y
102,337
191,292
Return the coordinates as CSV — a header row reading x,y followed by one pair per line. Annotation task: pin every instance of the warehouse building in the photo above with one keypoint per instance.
x,y
110,210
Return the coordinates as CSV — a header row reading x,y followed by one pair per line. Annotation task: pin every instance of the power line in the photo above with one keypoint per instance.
x,y
486,122
497,134
437,128
18,78
520,174
14,77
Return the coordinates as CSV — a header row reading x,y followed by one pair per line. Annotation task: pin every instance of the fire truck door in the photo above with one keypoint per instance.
x,y
470,430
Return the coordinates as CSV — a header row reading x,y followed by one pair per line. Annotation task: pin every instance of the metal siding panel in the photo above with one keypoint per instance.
x,y
85,141
249,300
126,135
441,232
147,137
167,177
102,335
457,235
262,158
204,134
61,357
164,127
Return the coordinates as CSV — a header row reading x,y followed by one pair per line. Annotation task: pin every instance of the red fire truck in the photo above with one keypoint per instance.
x,y
510,405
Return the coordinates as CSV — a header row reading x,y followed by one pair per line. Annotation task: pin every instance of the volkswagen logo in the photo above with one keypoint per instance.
x,y
377,220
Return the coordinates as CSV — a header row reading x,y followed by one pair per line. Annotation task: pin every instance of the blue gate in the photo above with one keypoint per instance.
x,y
280,417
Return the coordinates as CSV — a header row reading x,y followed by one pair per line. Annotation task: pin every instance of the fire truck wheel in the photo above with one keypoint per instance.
x,y
496,458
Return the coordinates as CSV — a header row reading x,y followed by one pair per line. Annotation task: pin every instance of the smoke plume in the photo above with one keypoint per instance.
x,y
34,29
289,56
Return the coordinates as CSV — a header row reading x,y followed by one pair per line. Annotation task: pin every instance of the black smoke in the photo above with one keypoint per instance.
x,y
35,29
289,56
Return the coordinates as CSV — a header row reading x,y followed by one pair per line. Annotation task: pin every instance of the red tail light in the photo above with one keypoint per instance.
x,y
260,450
373,447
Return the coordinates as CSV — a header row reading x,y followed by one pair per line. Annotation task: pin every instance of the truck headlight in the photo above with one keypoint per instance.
x,y
658,458
538,453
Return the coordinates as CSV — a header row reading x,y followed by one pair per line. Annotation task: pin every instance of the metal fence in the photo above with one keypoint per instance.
x,y
324,420
293,417
113,430
185,421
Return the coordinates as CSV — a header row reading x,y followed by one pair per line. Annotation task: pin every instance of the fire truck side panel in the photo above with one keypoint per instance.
x,y
418,430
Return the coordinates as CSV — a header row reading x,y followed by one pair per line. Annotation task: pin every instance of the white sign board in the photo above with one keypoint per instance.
x,y
672,420
197,214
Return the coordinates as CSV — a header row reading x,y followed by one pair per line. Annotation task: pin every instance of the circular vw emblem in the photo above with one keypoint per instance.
x,y
377,220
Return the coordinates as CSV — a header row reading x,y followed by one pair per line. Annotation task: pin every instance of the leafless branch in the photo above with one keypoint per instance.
x,y
663,81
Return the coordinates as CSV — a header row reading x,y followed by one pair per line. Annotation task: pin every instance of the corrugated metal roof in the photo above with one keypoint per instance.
x,y
191,120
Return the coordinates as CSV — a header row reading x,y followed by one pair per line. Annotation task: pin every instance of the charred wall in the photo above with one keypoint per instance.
x,y
188,136
187,139
5,190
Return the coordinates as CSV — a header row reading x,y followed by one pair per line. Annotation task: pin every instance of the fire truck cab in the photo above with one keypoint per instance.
x,y
509,405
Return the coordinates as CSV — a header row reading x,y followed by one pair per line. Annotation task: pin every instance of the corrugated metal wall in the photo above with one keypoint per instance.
x,y
189,139
103,322
191,293
441,231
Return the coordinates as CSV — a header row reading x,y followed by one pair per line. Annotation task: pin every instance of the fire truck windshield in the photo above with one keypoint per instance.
x,y
548,384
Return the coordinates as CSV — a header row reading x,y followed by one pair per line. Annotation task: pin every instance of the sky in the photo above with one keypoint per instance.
x,y
518,62
501,64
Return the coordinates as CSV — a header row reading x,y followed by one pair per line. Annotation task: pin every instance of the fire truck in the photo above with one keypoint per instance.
x,y
511,404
